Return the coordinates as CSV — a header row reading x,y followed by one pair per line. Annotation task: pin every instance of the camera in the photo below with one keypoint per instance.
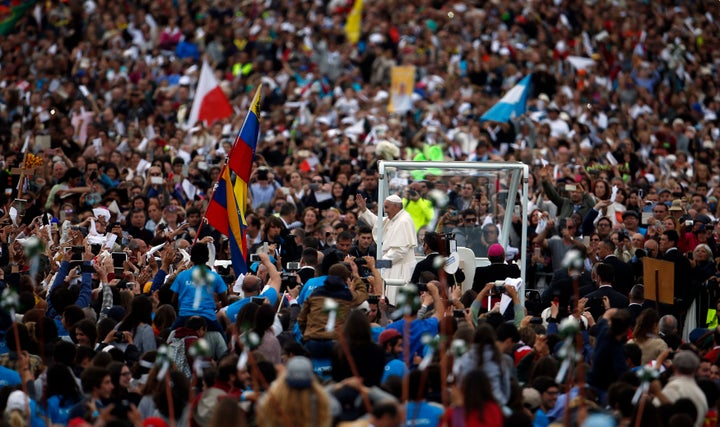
x,y
288,281
254,258
459,314
422,287
292,266
499,287
360,261
689,223
119,337
373,299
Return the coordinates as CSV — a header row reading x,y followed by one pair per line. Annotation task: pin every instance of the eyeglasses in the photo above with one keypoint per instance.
x,y
470,219
317,181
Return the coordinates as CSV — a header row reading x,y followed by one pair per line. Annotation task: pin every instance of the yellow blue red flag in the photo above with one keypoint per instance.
x,y
228,205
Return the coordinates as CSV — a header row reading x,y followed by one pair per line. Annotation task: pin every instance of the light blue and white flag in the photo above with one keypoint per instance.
x,y
513,104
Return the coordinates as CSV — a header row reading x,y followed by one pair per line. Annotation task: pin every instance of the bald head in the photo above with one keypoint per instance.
x,y
251,285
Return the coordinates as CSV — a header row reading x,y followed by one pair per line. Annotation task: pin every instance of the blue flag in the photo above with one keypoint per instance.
x,y
513,104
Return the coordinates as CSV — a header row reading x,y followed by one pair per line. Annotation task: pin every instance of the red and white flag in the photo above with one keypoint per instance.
x,y
210,103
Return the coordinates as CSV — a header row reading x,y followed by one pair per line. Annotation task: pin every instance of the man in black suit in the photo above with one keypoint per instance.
x,y
623,272
682,284
637,303
604,275
431,246
497,270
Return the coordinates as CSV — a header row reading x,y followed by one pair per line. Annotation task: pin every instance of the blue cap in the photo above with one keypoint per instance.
x,y
394,368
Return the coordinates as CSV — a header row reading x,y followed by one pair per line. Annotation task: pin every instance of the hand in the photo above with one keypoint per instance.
x,y
67,252
541,346
511,292
581,304
456,293
294,292
134,415
602,204
370,262
88,255
433,289
128,337
545,172
554,309
606,302
168,257
361,203
426,299
207,239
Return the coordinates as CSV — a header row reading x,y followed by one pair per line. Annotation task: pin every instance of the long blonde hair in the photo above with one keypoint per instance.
x,y
284,405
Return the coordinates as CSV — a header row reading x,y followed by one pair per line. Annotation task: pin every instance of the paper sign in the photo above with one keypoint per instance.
x,y
189,189
84,90
614,193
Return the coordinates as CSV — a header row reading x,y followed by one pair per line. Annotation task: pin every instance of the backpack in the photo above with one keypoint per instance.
x,y
178,354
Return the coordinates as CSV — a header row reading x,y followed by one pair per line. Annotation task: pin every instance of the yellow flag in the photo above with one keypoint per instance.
x,y
353,23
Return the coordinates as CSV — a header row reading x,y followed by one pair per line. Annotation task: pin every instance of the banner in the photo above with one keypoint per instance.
x,y
402,82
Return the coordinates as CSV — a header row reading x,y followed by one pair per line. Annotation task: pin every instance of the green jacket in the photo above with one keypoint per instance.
x,y
565,206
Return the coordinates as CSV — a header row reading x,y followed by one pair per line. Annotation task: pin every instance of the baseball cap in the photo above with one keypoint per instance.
x,y
531,398
115,312
299,372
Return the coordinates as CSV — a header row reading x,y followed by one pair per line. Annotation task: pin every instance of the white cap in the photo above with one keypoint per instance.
x,y
393,198
17,401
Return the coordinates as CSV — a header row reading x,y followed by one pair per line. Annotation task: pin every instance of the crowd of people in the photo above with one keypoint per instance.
x,y
120,306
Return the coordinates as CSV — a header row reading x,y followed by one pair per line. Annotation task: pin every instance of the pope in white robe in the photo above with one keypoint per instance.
x,y
398,239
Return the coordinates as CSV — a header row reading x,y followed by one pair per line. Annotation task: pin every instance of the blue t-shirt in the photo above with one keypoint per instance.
x,y
309,287
423,414
233,309
186,289
9,377
418,328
